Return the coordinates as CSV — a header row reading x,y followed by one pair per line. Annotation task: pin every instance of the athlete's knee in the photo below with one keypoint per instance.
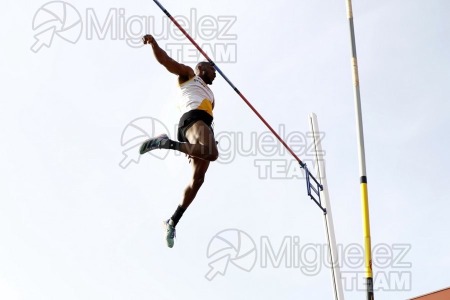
x,y
214,155
209,153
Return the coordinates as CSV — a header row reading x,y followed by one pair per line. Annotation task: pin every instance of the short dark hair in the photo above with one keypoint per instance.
x,y
203,63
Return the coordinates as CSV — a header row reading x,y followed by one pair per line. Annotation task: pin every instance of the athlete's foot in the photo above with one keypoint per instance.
x,y
161,141
170,233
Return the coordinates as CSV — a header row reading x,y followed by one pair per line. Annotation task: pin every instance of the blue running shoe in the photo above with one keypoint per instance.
x,y
161,141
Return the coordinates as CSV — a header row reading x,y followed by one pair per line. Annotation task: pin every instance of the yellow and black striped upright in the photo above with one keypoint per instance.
x,y
362,160
367,243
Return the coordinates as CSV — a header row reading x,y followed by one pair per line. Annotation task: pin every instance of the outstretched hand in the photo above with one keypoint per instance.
x,y
148,39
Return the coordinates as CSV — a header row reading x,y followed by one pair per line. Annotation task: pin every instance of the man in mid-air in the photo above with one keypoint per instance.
x,y
195,134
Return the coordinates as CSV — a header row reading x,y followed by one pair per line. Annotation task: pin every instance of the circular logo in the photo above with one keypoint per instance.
x,y
135,133
230,246
56,18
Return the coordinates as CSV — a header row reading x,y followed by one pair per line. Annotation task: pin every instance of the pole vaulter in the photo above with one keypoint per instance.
x,y
195,121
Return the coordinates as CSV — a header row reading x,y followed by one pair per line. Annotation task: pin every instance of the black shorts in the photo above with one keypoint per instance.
x,y
188,119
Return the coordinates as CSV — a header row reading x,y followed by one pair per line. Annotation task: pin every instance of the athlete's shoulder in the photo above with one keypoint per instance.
x,y
184,81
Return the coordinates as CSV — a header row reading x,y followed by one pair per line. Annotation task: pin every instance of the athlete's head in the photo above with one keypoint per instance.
x,y
205,70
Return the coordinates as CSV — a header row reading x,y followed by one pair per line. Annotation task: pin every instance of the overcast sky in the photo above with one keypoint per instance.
x,y
81,212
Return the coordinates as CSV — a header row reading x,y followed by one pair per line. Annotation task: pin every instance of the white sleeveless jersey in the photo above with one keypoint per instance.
x,y
195,94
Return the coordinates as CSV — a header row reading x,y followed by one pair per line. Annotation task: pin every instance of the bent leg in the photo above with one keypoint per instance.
x,y
201,142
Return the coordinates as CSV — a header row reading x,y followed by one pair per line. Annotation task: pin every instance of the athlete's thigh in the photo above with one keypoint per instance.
x,y
200,133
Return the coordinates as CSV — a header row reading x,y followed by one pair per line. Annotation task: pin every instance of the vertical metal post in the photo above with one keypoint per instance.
x,y
328,217
362,159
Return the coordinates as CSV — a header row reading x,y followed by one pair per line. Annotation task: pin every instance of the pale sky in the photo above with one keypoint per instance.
x,y
74,224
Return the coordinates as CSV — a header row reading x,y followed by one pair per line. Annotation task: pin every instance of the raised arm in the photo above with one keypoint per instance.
x,y
184,72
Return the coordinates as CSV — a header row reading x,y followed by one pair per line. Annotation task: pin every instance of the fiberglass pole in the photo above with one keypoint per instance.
x,y
362,160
